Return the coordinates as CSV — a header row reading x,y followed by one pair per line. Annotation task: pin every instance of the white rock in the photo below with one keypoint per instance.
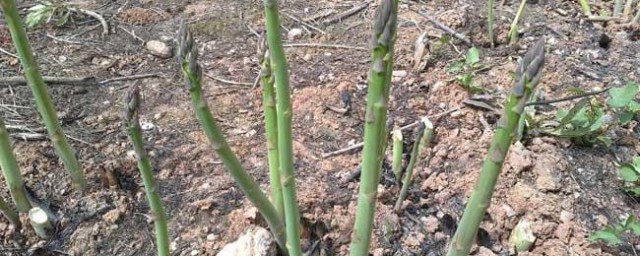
x,y
159,49
294,34
399,73
254,242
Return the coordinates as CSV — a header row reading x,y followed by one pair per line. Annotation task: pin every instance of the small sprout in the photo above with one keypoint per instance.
x,y
613,235
522,237
630,174
466,70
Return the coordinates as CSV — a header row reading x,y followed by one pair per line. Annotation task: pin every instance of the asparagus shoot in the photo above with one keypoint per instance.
x,y
270,125
528,75
41,94
375,130
11,171
192,72
132,124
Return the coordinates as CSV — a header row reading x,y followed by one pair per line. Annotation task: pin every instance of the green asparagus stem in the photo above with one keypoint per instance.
x,y
528,74
490,22
270,125
585,7
375,130
425,130
285,144
11,171
130,118
41,94
513,29
192,72
617,8
11,215
396,164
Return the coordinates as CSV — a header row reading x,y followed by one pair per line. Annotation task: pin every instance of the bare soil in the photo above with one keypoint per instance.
x,y
566,191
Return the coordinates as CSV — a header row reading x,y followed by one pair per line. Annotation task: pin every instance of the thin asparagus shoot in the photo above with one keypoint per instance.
x,y
284,114
617,8
527,76
41,94
513,29
425,129
132,124
11,171
270,125
375,129
9,213
422,141
490,22
192,72
584,5
396,164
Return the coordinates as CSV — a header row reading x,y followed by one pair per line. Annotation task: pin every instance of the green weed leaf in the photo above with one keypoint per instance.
x,y
621,97
473,56
608,235
628,173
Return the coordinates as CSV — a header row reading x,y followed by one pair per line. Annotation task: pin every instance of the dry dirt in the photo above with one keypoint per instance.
x,y
566,191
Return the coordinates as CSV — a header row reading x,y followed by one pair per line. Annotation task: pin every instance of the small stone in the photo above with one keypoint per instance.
x,y
399,73
256,241
159,49
195,252
430,223
112,216
211,237
566,216
294,34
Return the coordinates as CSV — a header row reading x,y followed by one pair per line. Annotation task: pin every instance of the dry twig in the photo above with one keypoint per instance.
x,y
446,29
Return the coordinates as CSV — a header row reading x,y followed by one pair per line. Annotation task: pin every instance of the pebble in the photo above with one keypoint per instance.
x,y
294,33
195,252
159,49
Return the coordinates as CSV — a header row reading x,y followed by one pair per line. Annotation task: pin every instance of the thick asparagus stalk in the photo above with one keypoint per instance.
x,y
192,72
132,124
41,94
527,76
375,130
270,125
11,171
285,144
11,215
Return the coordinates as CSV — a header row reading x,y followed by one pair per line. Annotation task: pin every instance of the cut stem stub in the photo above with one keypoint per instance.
x,y
41,222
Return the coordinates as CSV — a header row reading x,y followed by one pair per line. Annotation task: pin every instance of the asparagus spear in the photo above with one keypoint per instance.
x,y
11,215
490,21
270,125
423,138
11,171
192,72
513,30
396,164
284,113
408,176
375,130
528,74
130,117
39,89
